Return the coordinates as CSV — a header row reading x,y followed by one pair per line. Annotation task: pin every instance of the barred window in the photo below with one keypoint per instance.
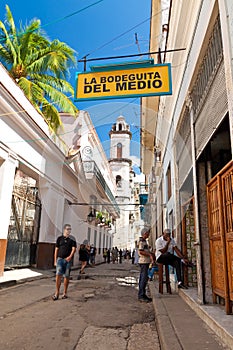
x,y
209,66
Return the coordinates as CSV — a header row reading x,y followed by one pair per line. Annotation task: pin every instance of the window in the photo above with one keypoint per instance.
x,y
119,150
95,237
106,246
208,68
118,181
100,238
169,182
93,200
89,235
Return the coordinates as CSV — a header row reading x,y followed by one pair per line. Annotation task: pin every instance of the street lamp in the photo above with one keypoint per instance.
x,y
90,216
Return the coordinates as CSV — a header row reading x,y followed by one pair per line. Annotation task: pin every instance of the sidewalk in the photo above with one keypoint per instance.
x,y
21,275
183,324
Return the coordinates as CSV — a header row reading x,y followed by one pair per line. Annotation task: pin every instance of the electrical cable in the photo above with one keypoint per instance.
x,y
56,20
122,34
72,14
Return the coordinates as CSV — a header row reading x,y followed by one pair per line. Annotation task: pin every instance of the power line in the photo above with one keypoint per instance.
x,y
122,34
124,56
106,204
72,14
56,20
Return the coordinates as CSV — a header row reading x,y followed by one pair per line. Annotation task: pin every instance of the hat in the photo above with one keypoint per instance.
x,y
167,231
85,241
144,230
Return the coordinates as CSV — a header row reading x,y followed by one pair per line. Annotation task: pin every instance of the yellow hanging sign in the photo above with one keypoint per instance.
x,y
120,83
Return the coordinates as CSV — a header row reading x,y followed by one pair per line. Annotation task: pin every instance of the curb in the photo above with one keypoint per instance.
x,y
14,282
7,284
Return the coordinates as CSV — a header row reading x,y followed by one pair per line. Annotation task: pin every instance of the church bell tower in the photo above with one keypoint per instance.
x,y
120,164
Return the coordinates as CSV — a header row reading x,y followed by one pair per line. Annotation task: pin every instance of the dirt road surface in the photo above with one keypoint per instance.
x,y
102,312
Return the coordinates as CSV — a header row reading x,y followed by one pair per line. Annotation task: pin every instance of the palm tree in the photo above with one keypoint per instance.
x,y
39,66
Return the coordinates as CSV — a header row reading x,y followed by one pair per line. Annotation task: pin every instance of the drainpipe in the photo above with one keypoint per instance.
x,y
200,290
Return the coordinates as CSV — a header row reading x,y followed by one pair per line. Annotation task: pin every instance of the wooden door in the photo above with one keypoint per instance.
x,y
220,207
227,200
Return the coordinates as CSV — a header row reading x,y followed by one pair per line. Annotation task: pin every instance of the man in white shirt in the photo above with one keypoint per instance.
x,y
165,246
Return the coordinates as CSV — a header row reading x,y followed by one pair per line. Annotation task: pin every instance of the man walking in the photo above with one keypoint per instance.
x,y
165,245
145,257
64,252
92,255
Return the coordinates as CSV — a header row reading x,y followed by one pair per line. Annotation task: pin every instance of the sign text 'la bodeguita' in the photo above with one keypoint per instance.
x,y
153,80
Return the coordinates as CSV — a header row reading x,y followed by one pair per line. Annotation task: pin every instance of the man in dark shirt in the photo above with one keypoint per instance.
x,y
64,252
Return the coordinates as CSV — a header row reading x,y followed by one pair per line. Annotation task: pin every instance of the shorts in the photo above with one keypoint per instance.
x,y
63,267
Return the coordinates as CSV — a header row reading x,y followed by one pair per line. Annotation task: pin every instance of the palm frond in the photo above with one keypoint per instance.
x,y
8,43
5,57
52,59
11,23
51,115
13,33
60,84
27,39
32,91
60,99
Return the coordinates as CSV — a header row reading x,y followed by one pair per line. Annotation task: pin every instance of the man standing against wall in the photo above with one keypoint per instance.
x,y
145,257
64,252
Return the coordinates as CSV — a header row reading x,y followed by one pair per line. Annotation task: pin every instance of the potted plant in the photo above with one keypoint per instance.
x,y
99,217
108,222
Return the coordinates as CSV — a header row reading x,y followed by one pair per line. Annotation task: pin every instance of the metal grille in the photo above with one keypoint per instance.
x,y
207,71
213,111
183,147
24,223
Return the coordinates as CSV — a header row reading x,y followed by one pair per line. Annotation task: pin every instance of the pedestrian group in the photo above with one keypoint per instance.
x,y
143,256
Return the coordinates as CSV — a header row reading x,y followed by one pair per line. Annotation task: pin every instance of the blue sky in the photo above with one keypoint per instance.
x,y
99,28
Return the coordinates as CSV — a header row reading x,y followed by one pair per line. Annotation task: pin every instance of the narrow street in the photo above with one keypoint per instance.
x,y
102,312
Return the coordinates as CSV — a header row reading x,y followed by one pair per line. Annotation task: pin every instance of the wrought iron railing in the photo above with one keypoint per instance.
x,y
90,167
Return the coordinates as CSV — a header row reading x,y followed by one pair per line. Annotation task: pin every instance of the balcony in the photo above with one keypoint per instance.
x,y
92,172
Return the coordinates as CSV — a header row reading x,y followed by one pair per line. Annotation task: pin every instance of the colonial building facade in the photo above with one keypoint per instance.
x,y
47,181
190,135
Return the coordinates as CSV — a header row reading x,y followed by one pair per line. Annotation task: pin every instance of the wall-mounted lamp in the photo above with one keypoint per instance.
x,y
90,217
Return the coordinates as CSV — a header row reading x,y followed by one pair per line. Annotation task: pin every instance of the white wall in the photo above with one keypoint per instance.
x,y
25,142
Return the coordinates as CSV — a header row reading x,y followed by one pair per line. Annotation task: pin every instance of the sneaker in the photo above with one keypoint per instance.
x,y
147,298
143,300
182,286
190,264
